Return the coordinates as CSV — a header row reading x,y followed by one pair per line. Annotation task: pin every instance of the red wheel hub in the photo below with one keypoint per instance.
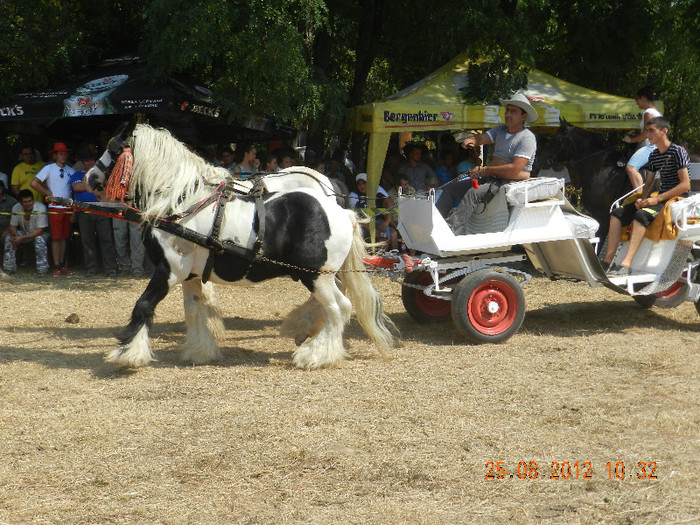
x,y
492,307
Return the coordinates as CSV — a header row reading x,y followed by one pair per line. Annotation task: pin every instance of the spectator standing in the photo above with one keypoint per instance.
x,y
406,190
390,174
79,165
416,171
93,228
246,166
695,157
269,163
358,200
286,158
469,159
29,224
645,101
54,180
447,170
23,174
227,158
128,242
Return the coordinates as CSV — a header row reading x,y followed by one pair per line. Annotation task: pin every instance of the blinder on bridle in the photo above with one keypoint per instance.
x,y
115,147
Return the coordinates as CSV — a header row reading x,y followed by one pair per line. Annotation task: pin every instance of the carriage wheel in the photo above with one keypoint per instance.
x,y
421,307
488,306
669,298
673,296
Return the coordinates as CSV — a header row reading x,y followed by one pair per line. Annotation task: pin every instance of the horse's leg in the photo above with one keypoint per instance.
x,y
134,349
304,322
326,348
203,321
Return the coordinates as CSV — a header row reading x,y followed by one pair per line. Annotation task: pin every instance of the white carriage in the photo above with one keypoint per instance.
x,y
473,271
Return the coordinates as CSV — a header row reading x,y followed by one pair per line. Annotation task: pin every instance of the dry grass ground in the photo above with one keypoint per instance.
x,y
591,377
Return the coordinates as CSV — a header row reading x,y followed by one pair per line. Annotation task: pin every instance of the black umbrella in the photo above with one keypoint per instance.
x,y
105,94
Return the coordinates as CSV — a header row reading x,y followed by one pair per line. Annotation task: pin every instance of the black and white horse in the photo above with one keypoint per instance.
x,y
295,229
593,165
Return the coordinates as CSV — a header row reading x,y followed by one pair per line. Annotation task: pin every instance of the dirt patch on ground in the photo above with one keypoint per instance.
x,y
590,379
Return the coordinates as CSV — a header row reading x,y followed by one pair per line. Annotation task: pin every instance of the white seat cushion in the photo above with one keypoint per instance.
x,y
686,209
531,190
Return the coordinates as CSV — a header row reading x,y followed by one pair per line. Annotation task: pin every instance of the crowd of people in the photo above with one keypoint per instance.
x,y
54,234
28,224
117,246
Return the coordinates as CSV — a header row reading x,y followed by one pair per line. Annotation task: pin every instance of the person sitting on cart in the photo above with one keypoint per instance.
x,y
513,157
671,161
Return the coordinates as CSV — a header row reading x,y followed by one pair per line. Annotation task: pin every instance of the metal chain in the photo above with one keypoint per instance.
x,y
309,270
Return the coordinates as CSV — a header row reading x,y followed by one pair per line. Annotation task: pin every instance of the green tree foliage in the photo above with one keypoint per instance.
x,y
254,54
305,62
39,40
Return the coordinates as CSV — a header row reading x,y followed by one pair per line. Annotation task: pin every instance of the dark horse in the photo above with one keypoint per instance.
x,y
593,165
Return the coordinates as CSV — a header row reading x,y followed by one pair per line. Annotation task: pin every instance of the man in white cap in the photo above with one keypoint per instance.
x,y
514,154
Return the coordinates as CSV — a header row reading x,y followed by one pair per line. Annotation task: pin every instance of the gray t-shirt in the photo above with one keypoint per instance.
x,y
521,144
416,175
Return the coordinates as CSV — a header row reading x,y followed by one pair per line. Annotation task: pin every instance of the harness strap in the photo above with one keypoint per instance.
x,y
217,248
216,194
257,192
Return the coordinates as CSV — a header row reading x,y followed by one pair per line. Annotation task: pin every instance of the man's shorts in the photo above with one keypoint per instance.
x,y
59,220
641,157
630,213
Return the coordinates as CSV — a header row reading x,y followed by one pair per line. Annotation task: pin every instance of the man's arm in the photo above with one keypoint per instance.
x,y
40,187
477,140
677,190
81,185
16,239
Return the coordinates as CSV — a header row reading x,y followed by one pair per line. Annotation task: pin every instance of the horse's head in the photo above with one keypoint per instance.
x,y
561,148
97,175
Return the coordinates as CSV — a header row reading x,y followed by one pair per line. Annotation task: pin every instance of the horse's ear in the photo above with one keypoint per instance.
x,y
563,123
123,132
125,129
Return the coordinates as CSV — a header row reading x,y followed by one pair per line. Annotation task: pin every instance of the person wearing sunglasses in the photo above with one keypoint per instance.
x,y
54,180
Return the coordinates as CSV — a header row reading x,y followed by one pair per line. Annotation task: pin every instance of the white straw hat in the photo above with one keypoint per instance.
x,y
523,103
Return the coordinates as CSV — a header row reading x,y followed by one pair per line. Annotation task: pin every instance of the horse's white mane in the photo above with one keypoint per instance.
x,y
166,177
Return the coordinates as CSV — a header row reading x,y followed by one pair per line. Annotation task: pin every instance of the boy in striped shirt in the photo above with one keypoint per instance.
x,y
671,161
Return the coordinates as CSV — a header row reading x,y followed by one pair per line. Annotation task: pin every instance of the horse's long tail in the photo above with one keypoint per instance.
x,y
359,289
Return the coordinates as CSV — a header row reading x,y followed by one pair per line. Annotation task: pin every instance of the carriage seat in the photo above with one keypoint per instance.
x,y
686,211
536,189
495,215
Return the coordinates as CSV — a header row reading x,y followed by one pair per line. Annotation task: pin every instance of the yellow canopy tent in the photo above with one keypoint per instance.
x,y
435,104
